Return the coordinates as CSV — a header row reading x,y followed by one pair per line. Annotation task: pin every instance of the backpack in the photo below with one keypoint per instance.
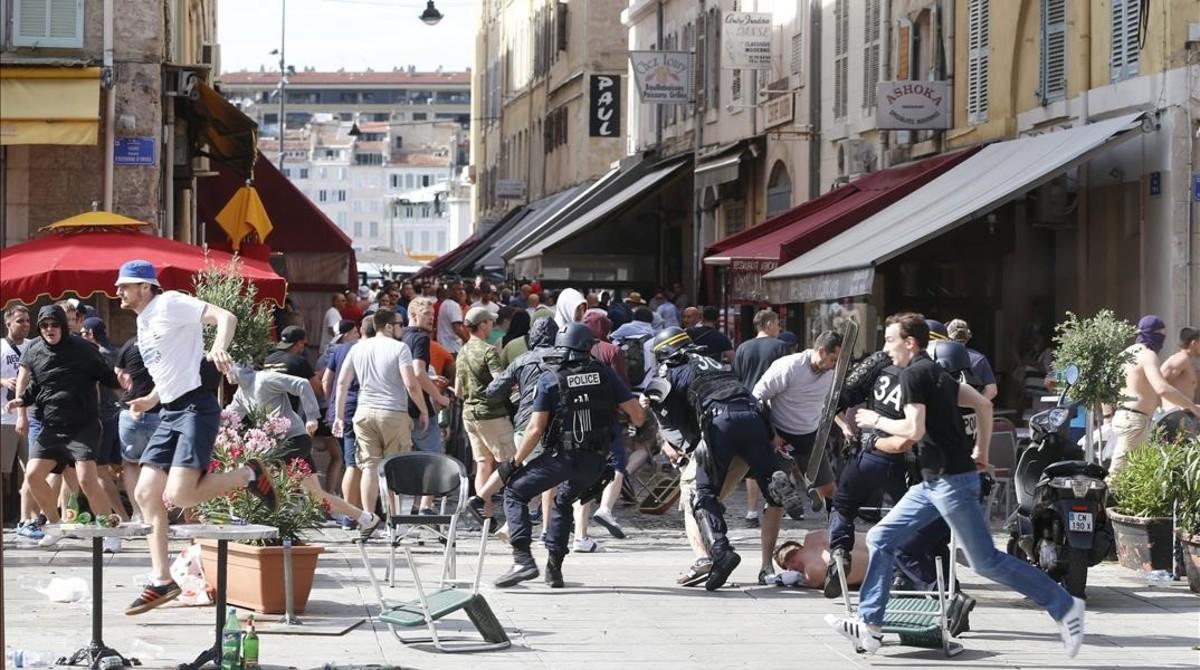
x,y
633,350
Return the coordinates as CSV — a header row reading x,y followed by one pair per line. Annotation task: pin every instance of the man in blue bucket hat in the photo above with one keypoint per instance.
x,y
170,336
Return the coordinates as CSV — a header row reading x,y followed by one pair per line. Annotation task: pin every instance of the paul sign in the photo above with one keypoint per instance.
x,y
604,113
913,105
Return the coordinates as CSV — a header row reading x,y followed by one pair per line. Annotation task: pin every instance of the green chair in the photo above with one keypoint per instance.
x,y
417,474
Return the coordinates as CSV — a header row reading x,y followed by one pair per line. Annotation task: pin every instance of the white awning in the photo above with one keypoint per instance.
x,y
642,186
845,265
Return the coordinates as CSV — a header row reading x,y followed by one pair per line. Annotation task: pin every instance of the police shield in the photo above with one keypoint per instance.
x,y
849,335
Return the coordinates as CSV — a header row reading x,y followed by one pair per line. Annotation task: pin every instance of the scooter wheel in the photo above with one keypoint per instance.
x,y
1075,578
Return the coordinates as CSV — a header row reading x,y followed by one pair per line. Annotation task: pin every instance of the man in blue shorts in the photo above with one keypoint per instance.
x,y
170,336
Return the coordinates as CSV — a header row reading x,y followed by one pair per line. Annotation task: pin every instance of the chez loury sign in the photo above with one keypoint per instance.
x,y
913,105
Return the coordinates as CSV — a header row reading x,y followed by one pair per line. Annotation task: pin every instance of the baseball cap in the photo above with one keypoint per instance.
x,y
290,336
477,315
344,326
959,330
137,272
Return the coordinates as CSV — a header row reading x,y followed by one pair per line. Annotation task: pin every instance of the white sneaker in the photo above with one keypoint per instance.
x,y
865,642
502,533
610,523
1070,627
112,545
50,538
586,545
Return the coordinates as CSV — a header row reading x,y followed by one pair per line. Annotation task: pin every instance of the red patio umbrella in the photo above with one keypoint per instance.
x,y
87,262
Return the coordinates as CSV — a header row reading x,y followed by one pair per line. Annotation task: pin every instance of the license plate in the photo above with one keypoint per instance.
x,y
1080,521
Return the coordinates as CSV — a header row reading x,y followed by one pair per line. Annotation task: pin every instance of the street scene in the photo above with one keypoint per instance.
x,y
599,334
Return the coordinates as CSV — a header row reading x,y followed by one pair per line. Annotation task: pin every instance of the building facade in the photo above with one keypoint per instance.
x,y
68,95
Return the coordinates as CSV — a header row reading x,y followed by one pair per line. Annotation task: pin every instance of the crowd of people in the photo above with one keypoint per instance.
x,y
563,395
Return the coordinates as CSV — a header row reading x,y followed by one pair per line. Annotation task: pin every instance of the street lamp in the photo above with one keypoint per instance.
x,y
431,15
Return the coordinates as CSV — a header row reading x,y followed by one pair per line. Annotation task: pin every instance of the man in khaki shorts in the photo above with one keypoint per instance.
x,y
382,364
488,427
1144,388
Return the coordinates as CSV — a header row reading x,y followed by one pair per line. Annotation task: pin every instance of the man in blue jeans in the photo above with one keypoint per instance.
x,y
950,490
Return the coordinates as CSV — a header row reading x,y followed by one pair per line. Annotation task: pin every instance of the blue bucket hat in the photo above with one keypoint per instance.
x,y
137,272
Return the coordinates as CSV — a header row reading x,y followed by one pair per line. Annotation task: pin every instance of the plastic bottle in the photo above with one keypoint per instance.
x,y
1158,578
20,658
250,646
231,642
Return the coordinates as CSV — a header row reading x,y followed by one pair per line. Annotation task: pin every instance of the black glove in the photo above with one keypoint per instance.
x,y
986,482
507,469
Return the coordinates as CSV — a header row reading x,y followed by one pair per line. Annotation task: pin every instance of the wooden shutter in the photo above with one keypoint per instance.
x,y
700,66
1054,50
841,65
560,22
978,52
870,53
797,61
904,50
48,23
1126,38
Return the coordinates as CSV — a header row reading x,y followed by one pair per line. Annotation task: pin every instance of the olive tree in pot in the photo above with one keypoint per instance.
x,y
1147,497
1096,345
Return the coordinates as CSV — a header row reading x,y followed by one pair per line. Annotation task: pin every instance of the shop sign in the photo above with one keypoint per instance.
x,y
913,105
780,110
510,188
663,77
134,151
746,41
754,265
604,113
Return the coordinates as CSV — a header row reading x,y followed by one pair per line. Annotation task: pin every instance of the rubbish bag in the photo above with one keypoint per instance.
x,y
188,573
66,590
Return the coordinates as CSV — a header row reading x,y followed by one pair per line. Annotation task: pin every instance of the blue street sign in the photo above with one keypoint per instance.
x,y
1196,187
1155,183
134,151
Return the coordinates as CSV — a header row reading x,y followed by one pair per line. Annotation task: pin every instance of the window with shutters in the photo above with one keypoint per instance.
x,y
688,43
870,53
1054,51
47,23
701,64
978,52
1126,38
735,217
841,56
796,69
713,79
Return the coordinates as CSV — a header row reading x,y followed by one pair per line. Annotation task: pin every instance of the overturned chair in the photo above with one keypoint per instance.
x,y
420,474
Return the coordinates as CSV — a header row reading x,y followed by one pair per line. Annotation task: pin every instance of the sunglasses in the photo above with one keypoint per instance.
x,y
49,325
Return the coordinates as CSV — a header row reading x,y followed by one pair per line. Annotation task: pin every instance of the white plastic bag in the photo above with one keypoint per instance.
x,y
188,573
66,590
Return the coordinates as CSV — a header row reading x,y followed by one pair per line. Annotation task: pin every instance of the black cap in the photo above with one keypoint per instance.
x,y
290,336
344,326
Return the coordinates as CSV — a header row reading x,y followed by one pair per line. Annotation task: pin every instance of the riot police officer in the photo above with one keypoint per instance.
x,y
717,418
574,415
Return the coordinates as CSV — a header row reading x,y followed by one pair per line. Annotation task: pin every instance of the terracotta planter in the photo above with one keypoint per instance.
x,y
256,575
1143,543
1191,561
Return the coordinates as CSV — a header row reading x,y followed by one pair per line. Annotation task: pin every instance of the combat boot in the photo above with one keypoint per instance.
x,y
554,571
723,564
523,569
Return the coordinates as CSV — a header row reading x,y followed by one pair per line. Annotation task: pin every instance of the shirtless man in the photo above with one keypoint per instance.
x,y
811,557
1144,387
1180,369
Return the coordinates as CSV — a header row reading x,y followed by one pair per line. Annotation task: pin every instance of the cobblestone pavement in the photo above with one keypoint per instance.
x,y
621,609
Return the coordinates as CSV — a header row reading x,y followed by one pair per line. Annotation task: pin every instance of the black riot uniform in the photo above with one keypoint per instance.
x,y
581,397
717,418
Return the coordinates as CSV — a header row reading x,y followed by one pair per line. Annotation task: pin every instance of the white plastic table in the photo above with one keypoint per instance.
x,y
223,535
96,650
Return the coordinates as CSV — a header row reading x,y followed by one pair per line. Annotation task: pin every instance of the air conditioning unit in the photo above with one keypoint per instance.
x,y
855,157
183,84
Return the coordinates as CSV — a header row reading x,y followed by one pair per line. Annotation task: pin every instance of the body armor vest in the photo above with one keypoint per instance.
x,y
587,407
711,384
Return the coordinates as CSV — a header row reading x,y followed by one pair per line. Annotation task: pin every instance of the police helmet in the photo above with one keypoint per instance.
x,y
574,341
953,357
670,343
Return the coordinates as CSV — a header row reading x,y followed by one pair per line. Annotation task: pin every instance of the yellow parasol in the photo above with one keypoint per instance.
x,y
96,219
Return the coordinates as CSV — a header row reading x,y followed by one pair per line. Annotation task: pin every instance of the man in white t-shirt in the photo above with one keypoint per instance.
x,y
12,443
487,300
450,330
329,322
175,462
382,364
796,387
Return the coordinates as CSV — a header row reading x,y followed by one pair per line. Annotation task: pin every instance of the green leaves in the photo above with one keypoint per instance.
x,y
225,287
1160,479
1097,346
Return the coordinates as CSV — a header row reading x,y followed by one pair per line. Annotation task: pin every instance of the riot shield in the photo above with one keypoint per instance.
x,y
809,473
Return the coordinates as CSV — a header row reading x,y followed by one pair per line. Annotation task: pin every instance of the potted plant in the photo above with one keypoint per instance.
x,y
1185,484
256,570
1096,346
1143,515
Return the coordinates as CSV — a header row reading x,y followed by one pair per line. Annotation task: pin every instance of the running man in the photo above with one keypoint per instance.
x,y
170,337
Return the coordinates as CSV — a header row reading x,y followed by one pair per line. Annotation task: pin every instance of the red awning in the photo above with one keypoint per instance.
x,y
317,255
439,264
783,237
87,262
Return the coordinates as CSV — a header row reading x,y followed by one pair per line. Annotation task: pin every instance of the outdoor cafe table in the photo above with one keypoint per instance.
x,y
96,651
223,535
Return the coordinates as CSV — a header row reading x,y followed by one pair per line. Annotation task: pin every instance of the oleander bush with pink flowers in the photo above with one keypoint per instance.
x,y
262,437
